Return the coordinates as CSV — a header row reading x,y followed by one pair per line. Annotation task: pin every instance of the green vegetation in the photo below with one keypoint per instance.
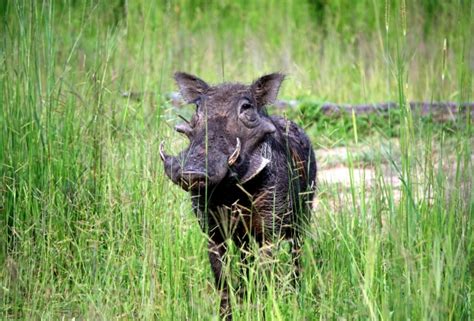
x,y
90,227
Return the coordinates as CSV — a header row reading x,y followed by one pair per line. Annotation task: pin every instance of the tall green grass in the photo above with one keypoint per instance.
x,y
92,229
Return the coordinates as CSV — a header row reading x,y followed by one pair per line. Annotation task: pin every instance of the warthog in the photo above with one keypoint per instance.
x,y
250,175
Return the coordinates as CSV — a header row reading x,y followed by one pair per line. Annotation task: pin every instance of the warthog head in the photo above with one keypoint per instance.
x,y
226,132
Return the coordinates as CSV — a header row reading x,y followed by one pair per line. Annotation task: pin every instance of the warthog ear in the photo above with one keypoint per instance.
x,y
191,87
265,89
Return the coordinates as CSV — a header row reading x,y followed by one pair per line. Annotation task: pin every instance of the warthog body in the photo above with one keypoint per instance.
x,y
250,175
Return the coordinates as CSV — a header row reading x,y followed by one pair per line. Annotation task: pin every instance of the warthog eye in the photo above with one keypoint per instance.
x,y
244,107
248,114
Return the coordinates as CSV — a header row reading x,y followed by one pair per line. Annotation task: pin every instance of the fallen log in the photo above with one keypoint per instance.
x,y
422,107
440,111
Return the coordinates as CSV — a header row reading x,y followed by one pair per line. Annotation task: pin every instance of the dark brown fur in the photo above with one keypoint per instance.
x,y
266,194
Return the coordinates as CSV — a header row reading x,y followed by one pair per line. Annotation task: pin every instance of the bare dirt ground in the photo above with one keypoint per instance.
x,y
334,165
370,167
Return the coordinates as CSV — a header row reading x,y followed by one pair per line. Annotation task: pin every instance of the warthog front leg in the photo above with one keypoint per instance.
x,y
217,251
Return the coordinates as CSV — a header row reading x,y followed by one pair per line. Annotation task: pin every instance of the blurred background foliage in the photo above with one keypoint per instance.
x,y
341,51
90,227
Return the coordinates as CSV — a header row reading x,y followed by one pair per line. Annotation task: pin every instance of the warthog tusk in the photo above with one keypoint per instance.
x,y
235,154
162,153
